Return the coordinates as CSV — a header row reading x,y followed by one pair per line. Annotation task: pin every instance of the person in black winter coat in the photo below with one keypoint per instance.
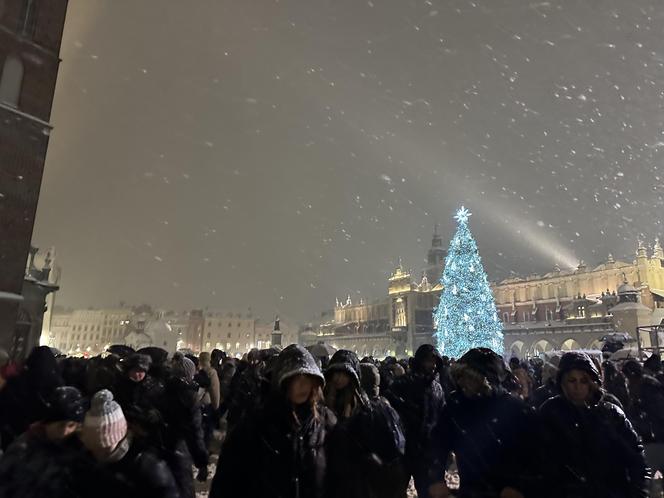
x,y
548,389
653,367
645,405
44,461
386,475
590,449
614,382
487,429
22,399
645,408
139,394
418,398
280,450
367,446
183,438
226,372
126,466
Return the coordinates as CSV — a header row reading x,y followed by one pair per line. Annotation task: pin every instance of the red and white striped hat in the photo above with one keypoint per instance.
x,y
104,422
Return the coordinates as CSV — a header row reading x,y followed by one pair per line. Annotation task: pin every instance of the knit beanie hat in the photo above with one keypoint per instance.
x,y
183,367
104,424
65,403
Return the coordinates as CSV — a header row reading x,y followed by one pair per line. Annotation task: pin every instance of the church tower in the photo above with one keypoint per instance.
x,y
435,258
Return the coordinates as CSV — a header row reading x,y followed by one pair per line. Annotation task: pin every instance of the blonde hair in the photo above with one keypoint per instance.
x,y
204,359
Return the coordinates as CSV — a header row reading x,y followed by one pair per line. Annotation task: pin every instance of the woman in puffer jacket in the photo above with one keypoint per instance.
x,y
591,449
281,449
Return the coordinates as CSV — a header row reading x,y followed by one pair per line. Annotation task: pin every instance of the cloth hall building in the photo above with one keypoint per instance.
x,y
561,310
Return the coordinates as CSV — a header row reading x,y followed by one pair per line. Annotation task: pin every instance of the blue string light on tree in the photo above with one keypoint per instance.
x,y
466,314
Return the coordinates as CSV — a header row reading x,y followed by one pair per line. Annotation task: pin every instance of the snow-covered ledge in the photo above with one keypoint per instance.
x,y
10,296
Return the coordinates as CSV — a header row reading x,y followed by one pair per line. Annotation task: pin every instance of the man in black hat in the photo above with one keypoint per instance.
x,y
139,395
45,460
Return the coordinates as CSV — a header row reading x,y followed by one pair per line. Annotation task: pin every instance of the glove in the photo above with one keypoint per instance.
x,y
202,474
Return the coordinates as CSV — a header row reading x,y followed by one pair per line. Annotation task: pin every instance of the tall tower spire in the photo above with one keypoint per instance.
x,y
276,333
658,252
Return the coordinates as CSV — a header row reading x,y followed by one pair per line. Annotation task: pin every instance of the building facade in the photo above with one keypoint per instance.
x,y
395,325
237,332
230,331
561,310
30,36
574,309
89,332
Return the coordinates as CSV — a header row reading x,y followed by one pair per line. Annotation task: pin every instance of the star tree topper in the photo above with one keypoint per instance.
x,y
462,215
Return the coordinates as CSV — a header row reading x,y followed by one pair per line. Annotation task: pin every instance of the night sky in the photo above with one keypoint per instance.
x,y
276,154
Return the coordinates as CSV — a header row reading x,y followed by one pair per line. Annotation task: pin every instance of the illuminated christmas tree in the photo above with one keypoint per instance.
x,y
466,314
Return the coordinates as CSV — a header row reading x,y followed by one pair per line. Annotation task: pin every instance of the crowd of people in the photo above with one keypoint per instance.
x,y
142,424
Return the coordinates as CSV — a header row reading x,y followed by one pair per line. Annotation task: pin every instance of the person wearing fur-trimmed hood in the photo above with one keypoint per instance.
x,y
280,450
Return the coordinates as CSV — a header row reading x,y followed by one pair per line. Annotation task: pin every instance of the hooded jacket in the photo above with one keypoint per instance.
x,y
344,361
366,457
418,398
646,408
489,431
343,403
578,361
287,444
590,452
183,437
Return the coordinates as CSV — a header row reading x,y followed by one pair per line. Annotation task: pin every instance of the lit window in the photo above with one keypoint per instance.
x,y
11,81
